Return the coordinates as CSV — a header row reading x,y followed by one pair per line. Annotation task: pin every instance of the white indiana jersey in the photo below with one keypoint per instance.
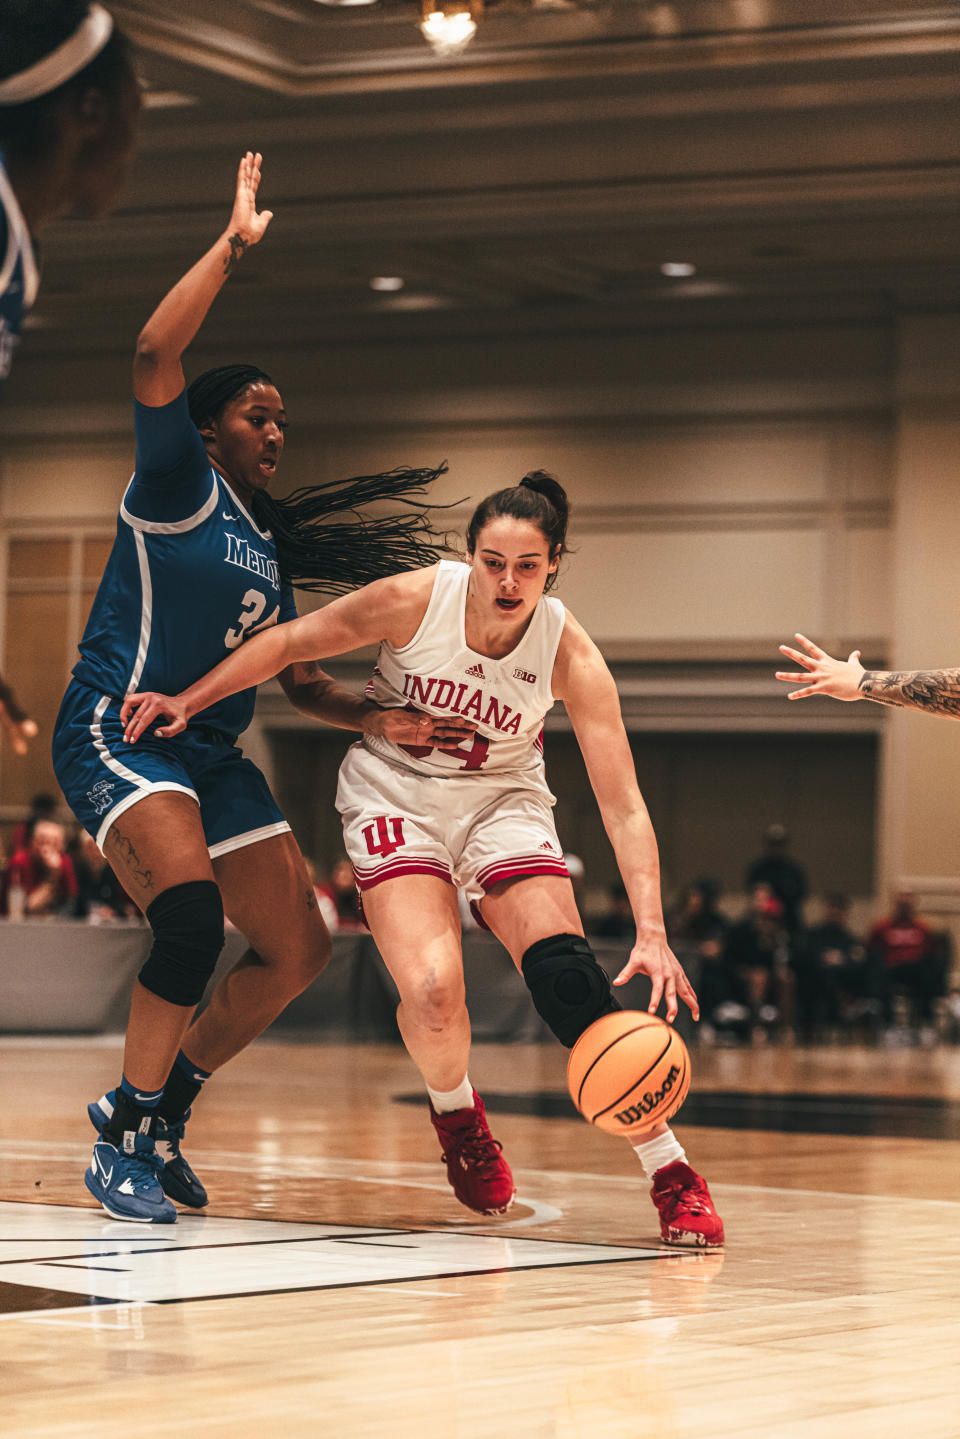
x,y
439,674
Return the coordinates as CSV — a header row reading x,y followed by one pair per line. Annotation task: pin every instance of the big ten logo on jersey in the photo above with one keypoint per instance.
x,y
384,835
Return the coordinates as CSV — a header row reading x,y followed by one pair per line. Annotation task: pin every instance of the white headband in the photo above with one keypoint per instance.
x,y
67,60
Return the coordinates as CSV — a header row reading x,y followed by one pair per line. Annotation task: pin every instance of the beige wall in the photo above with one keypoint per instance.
x,y
730,484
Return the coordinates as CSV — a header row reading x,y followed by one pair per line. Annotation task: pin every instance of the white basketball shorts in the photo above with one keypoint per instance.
x,y
471,830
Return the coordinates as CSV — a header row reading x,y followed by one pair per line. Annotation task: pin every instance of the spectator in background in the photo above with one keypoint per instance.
x,y
42,806
101,897
696,930
760,963
618,923
907,956
782,875
19,727
40,878
325,904
834,983
341,890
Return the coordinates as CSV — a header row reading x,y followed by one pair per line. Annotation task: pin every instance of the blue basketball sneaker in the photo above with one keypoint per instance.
x,y
176,1178
128,1184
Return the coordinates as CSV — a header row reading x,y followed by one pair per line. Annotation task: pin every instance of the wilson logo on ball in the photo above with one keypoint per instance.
x,y
650,1102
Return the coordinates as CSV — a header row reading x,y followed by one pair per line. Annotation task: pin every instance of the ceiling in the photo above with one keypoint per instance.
x,y
804,156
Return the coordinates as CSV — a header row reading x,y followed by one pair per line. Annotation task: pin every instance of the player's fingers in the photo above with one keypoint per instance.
x,y
670,991
810,647
688,994
168,730
803,694
853,658
656,995
792,677
625,974
797,657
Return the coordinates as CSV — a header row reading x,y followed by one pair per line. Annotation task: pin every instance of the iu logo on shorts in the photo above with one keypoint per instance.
x,y
378,838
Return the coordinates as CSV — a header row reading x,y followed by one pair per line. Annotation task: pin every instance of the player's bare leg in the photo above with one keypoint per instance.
x,y
416,925
523,911
267,894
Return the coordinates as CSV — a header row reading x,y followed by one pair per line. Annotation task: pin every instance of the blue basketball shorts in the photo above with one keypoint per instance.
x,y
102,777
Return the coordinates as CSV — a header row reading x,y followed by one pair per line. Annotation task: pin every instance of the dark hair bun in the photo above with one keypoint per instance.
x,y
551,489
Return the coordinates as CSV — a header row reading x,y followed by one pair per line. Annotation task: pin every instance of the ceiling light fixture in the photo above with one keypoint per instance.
x,y
448,26
387,284
678,269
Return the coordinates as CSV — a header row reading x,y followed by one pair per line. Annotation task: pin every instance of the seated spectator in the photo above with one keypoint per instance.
x,y
782,875
42,806
907,957
40,878
101,898
696,930
341,890
321,890
618,922
760,963
834,987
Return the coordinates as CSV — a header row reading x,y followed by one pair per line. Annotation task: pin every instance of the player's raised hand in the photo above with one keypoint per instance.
x,y
652,956
140,710
821,673
245,223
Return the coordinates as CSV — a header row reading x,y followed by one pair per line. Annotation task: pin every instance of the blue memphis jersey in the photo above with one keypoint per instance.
x,y
18,272
189,577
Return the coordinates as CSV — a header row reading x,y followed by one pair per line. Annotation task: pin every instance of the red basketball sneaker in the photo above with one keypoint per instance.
x,y
687,1215
478,1173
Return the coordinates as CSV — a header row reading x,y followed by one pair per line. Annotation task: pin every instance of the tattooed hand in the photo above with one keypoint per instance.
x,y
246,227
936,691
821,674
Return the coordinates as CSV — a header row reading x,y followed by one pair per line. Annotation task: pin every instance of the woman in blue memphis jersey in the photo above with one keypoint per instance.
x,y
192,830
69,103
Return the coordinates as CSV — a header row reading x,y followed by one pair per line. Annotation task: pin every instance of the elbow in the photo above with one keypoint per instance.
x,y
147,355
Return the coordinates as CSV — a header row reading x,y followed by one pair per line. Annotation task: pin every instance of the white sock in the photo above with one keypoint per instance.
x,y
445,1101
655,1153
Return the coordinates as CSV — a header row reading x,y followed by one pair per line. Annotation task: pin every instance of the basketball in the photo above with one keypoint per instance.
x,y
628,1072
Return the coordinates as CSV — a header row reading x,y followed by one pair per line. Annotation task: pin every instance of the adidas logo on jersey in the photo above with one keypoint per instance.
x,y
476,671
546,845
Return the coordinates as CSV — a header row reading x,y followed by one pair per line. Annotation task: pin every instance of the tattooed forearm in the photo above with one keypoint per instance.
x,y
937,691
237,246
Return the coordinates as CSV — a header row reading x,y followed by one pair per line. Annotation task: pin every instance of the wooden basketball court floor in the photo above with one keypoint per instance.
x,y
336,1288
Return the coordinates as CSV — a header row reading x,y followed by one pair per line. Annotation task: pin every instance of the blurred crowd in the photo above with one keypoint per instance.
x,y
766,974
770,975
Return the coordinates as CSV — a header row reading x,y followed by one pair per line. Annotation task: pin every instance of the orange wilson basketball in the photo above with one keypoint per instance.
x,y
628,1072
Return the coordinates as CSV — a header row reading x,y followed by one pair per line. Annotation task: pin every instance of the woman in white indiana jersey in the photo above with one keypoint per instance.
x,y
482,647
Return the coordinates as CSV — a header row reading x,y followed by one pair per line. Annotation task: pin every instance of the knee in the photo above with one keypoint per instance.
x,y
187,924
434,999
568,987
297,966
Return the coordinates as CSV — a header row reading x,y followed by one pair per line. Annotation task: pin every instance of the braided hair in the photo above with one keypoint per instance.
x,y
323,540
539,498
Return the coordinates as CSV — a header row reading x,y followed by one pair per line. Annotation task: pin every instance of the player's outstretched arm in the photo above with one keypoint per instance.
x,y
936,691
316,693
381,610
157,372
587,688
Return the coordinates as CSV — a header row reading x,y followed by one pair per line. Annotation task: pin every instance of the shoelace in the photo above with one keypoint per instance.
x,y
692,1199
143,1170
480,1150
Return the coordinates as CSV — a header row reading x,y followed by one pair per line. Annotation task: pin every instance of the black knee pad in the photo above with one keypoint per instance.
x,y
569,988
187,924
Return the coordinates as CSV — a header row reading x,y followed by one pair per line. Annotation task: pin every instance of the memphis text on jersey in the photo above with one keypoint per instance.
x,y
241,552
442,694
